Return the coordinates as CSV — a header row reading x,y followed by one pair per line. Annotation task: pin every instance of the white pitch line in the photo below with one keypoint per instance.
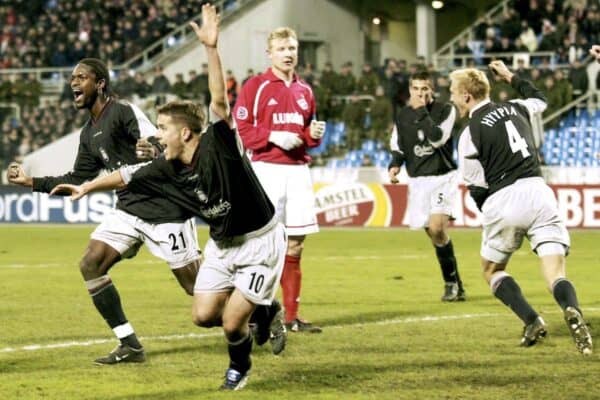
x,y
408,320
430,318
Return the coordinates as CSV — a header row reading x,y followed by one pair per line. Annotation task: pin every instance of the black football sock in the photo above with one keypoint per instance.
x,y
239,354
108,303
564,293
445,256
260,314
509,292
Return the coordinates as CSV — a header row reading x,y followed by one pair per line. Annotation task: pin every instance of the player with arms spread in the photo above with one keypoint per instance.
x,y
422,140
501,168
205,171
275,114
110,139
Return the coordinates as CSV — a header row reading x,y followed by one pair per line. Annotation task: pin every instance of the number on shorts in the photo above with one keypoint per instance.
x,y
256,283
173,238
515,140
440,199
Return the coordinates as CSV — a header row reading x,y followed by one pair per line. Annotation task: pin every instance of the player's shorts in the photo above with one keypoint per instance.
x,y
431,195
527,208
176,243
290,189
252,263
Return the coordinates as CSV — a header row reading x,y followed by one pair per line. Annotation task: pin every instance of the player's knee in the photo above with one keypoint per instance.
x,y
295,247
232,330
437,235
90,267
203,319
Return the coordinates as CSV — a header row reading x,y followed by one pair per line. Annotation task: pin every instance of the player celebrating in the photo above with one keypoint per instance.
x,y
501,168
421,138
108,141
275,114
204,170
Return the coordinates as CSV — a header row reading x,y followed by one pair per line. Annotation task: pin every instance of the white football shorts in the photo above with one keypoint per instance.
x,y
176,243
527,208
290,189
252,263
431,195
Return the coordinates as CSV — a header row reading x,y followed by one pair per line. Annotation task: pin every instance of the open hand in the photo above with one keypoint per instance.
x,y
208,33
76,191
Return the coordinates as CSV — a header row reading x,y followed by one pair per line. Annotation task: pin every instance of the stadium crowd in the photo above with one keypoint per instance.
x,y
55,33
566,27
37,33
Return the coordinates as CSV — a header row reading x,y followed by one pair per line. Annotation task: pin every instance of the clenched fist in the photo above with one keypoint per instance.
x,y
16,174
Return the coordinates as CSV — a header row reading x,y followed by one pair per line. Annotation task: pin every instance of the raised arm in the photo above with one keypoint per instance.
x,y
534,99
208,34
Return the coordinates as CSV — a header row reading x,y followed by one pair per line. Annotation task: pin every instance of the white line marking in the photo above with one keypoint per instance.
x,y
409,320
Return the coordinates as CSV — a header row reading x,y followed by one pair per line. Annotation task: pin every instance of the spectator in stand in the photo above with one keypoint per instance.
x,y
521,71
506,47
564,86
579,79
125,85
346,82
232,87
462,49
528,36
329,78
354,117
490,47
322,98
548,40
160,83
391,88
511,24
249,74
536,78
179,88
381,116
308,73
368,81
554,99
141,88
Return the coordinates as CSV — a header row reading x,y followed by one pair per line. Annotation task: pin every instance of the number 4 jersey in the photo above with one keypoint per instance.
x,y
497,147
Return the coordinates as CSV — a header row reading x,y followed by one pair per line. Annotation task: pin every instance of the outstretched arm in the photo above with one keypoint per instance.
x,y
208,34
103,183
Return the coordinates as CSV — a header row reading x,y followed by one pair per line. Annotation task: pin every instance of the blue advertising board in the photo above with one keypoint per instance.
x,y
19,204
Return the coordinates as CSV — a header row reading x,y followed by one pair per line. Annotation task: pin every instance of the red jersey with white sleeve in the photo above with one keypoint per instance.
x,y
265,104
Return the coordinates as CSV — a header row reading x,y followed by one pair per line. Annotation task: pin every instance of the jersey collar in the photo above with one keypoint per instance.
x,y
272,77
478,106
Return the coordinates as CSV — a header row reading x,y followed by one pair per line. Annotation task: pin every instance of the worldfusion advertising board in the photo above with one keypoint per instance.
x,y
348,204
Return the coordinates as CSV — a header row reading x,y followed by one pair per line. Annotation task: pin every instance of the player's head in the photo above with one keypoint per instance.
x,y
421,85
469,87
282,49
179,123
89,79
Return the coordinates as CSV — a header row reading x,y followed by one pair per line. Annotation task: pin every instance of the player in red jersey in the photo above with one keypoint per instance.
x,y
275,114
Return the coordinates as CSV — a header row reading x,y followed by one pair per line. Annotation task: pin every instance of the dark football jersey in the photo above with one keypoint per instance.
x,y
108,144
497,147
219,186
422,139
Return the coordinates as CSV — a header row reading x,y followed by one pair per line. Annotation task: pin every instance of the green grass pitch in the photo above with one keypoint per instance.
x,y
376,293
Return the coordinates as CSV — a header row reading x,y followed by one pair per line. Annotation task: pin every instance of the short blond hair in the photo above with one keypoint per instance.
x,y
472,81
281,33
